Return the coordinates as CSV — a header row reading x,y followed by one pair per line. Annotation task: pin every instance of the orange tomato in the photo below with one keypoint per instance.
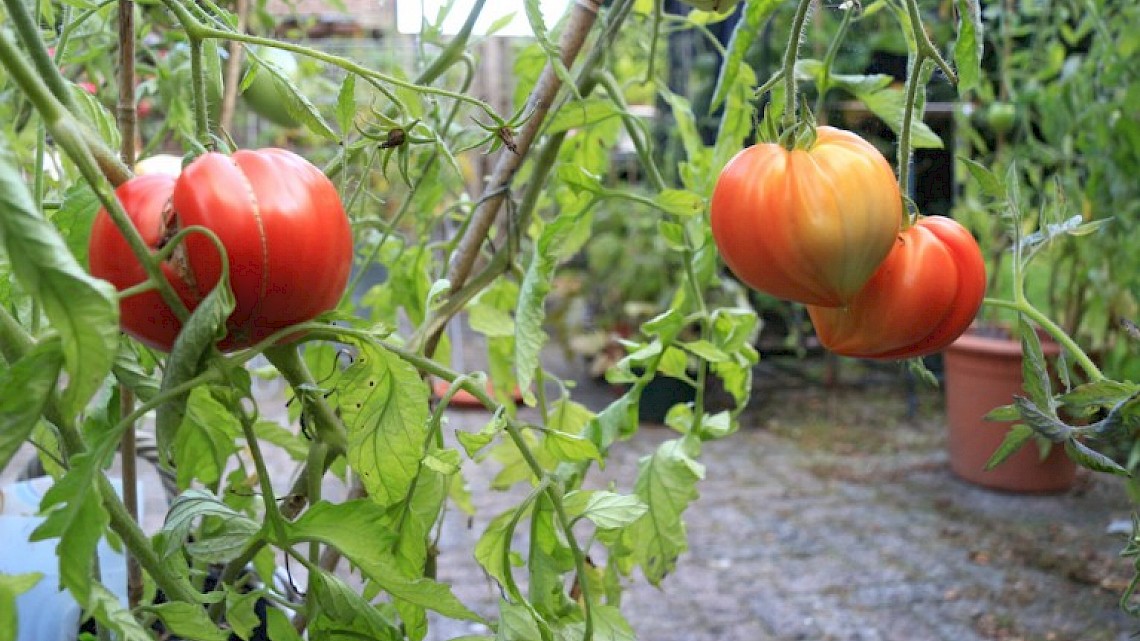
x,y
924,296
807,225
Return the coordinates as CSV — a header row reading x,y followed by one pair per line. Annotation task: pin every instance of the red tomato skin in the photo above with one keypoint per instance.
x,y
144,316
808,225
287,239
923,296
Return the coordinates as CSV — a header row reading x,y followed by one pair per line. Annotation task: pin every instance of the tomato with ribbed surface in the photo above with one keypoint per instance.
x,y
808,225
287,240
923,297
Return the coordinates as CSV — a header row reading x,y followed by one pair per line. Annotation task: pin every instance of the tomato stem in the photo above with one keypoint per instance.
x,y
791,54
1025,308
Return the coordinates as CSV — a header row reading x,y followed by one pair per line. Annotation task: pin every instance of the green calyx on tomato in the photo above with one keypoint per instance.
x,y
809,225
923,296
280,220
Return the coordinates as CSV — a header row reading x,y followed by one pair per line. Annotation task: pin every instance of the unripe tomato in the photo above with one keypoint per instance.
x,y
808,225
923,296
264,96
1001,116
287,239
720,6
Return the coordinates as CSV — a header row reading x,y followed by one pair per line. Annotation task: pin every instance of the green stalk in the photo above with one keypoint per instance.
x,y
329,429
1054,330
791,54
75,140
829,58
198,86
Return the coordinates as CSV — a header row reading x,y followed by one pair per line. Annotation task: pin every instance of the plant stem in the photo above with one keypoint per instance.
x,y
791,54
233,70
824,84
329,428
1054,330
29,32
198,86
91,159
578,26
914,74
926,48
127,111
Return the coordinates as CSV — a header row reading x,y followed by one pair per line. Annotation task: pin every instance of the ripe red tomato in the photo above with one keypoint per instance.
x,y
808,225
280,219
923,296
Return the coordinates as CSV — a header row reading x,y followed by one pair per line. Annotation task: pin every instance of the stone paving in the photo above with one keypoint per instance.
x,y
833,516
853,529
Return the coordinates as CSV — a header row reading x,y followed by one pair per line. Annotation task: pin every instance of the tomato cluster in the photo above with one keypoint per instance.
x,y
821,226
286,236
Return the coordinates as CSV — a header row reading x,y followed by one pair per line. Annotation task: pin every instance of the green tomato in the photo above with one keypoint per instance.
x,y
720,6
1001,117
266,95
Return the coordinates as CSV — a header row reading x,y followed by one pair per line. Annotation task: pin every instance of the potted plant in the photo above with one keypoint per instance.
x,y
1049,126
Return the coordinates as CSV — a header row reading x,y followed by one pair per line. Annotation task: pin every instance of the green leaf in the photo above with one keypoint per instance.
x,y
705,350
206,438
12,586
351,527
240,613
548,561
579,179
1034,373
553,54
96,114
297,104
189,621
888,105
446,461
736,123
680,202
969,46
205,326
215,545
490,321
112,615
346,104
76,516
279,627
82,309
74,218
1087,457
490,546
991,185
25,389
744,34
1017,436
568,447
1090,395
1041,422
1004,413
384,404
517,623
666,483
607,510
343,608
581,113
531,310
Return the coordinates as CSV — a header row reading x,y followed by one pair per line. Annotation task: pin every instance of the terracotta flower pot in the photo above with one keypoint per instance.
x,y
983,373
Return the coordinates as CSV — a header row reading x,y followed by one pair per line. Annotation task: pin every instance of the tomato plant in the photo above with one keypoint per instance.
x,y
279,219
437,236
808,225
923,296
